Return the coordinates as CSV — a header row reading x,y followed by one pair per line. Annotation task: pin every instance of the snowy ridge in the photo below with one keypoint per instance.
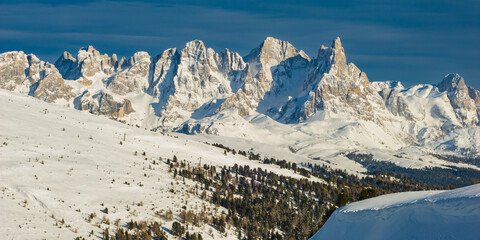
x,y
453,214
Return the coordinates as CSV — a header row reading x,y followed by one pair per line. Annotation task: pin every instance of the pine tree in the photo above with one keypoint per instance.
x,y
178,229
106,234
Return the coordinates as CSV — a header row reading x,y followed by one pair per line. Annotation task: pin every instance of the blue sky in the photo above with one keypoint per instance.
x,y
409,41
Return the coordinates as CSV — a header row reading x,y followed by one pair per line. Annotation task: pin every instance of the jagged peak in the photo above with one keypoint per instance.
x,y
304,55
195,44
272,40
139,56
332,55
114,58
67,55
451,82
337,44
165,54
86,52
227,52
12,53
90,49
396,84
33,59
194,50
273,49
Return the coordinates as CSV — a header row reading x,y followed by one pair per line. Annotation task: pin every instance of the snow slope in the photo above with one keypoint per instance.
x,y
59,163
453,214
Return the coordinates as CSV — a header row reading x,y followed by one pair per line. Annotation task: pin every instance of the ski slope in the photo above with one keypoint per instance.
x,y
453,214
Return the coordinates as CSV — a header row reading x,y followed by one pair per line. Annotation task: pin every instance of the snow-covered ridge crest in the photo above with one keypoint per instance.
x,y
190,89
452,214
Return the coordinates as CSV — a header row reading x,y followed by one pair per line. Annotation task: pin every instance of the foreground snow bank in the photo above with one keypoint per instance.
x,y
453,214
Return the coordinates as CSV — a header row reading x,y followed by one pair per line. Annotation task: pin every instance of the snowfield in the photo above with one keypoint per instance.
x,y
58,166
453,214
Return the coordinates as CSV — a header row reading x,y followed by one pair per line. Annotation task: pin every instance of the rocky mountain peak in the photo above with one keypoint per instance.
x,y
67,56
85,52
452,82
194,49
339,87
338,52
334,55
337,43
137,57
195,44
66,65
231,61
272,51
460,97
89,62
28,74
89,49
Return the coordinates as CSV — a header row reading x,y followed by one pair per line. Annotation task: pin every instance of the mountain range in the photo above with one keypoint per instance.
x,y
319,107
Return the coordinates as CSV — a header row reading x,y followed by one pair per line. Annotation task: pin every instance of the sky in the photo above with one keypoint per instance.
x,y
409,41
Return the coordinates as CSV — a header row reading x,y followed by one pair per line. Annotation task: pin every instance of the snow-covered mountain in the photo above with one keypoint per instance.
x,y
276,89
453,214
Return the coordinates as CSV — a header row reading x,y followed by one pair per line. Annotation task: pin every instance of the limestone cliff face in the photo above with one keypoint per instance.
x,y
194,77
269,70
339,87
198,77
103,104
27,74
89,62
460,98
164,69
475,95
134,78
12,71
265,58
118,77
394,100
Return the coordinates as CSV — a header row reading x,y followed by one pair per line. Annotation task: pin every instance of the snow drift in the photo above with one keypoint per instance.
x,y
453,214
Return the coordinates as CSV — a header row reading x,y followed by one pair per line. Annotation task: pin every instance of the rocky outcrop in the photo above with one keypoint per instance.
x,y
475,95
103,104
135,78
339,87
89,62
27,74
394,100
198,75
164,70
270,71
12,71
460,99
